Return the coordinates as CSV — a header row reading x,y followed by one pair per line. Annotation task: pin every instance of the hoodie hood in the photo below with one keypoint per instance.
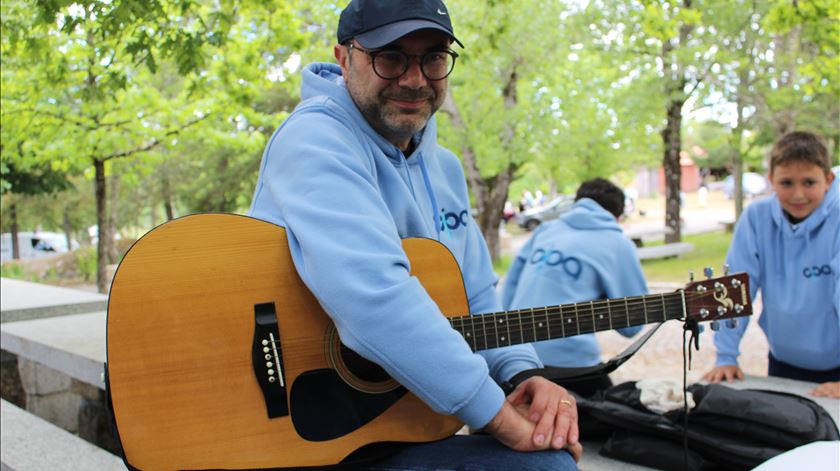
x,y
586,214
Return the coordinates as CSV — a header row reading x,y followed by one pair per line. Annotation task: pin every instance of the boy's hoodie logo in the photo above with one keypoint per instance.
x,y
815,271
571,265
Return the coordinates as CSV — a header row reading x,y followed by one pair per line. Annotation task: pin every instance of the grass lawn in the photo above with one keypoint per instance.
x,y
709,251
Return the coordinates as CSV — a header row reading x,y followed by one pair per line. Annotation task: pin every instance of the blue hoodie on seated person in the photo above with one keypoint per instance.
x,y
352,171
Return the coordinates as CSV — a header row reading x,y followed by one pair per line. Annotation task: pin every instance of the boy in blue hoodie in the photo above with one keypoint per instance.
x,y
356,168
582,256
789,245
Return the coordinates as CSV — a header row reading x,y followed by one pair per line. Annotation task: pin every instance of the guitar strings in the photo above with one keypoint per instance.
x,y
581,318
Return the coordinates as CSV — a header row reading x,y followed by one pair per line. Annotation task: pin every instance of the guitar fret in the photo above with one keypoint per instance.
x,y
534,324
592,308
609,314
484,329
626,311
548,324
470,334
664,309
577,319
521,329
507,325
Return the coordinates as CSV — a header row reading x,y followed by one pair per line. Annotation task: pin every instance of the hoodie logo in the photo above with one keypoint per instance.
x,y
441,13
452,221
553,258
816,271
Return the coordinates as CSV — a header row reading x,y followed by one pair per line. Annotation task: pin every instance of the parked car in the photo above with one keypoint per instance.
x,y
754,184
34,244
531,218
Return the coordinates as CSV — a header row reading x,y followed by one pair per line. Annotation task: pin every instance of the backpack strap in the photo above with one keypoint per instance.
x,y
577,374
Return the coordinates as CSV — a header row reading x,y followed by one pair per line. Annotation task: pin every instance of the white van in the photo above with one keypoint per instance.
x,y
34,245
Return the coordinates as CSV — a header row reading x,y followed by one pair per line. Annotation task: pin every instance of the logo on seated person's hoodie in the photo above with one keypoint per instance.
x,y
451,221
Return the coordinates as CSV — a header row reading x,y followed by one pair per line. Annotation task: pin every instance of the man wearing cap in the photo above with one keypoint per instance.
x,y
355,169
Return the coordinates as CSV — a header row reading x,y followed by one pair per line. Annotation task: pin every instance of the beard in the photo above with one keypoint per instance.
x,y
394,123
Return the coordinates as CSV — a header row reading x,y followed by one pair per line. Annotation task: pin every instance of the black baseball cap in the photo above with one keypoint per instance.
x,y
375,23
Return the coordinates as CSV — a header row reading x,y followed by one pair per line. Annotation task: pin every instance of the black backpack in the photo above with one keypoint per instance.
x,y
728,429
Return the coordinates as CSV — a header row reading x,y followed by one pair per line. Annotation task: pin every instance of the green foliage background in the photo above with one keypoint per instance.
x,y
176,99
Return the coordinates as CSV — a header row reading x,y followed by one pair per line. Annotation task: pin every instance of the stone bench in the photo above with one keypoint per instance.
x,y
23,300
31,443
60,361
664,251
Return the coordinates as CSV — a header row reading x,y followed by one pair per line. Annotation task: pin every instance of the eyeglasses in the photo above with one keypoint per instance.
x,y
391,64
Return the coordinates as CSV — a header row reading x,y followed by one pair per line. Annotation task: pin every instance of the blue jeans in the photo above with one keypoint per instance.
x,y
472,453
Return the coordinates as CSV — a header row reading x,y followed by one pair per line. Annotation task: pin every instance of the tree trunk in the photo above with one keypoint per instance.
x,y
167,198
673,173
675,82
15,229
68,229
787,54
102,242
491,193
113,217
736,142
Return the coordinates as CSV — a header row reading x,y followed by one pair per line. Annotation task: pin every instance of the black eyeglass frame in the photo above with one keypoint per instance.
x,y
408,59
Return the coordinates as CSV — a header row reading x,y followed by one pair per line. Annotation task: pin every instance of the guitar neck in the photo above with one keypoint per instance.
x,y
503,329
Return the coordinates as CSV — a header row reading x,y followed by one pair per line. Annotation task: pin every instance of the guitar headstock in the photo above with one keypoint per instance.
x,y
718,298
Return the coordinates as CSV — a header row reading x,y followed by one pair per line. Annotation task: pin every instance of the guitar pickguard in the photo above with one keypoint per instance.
x,y
324,407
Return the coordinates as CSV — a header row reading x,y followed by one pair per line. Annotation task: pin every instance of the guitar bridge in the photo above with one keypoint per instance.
x,y
267,356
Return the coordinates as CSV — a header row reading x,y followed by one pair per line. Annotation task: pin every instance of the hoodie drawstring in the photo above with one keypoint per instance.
x,y
437,219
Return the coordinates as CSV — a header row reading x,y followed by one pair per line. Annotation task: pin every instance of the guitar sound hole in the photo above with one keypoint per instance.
x,y
362,368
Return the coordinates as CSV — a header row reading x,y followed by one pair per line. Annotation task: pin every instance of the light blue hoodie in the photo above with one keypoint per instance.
x,y
346,197
593,260
797,269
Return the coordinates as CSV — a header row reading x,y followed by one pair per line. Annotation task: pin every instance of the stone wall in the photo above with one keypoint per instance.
x,y
74,406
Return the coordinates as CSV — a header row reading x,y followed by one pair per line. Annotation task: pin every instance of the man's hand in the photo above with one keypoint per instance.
x,y
538,415
727,372
830,389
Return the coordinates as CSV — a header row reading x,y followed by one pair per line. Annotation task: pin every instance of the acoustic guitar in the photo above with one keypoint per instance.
x,y
218,357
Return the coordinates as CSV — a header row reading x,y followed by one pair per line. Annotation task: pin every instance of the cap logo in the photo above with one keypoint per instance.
x,y
441,12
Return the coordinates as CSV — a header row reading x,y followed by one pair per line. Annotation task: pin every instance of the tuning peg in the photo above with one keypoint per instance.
x,y
709,272
725,269
715,325
731,323
691,277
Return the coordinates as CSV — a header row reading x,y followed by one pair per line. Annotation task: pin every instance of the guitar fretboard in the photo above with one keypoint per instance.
x,y
502,329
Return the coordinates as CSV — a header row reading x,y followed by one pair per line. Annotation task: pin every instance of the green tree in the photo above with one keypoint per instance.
x,y
17,181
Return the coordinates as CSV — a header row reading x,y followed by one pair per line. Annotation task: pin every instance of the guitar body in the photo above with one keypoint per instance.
x,y
182,372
